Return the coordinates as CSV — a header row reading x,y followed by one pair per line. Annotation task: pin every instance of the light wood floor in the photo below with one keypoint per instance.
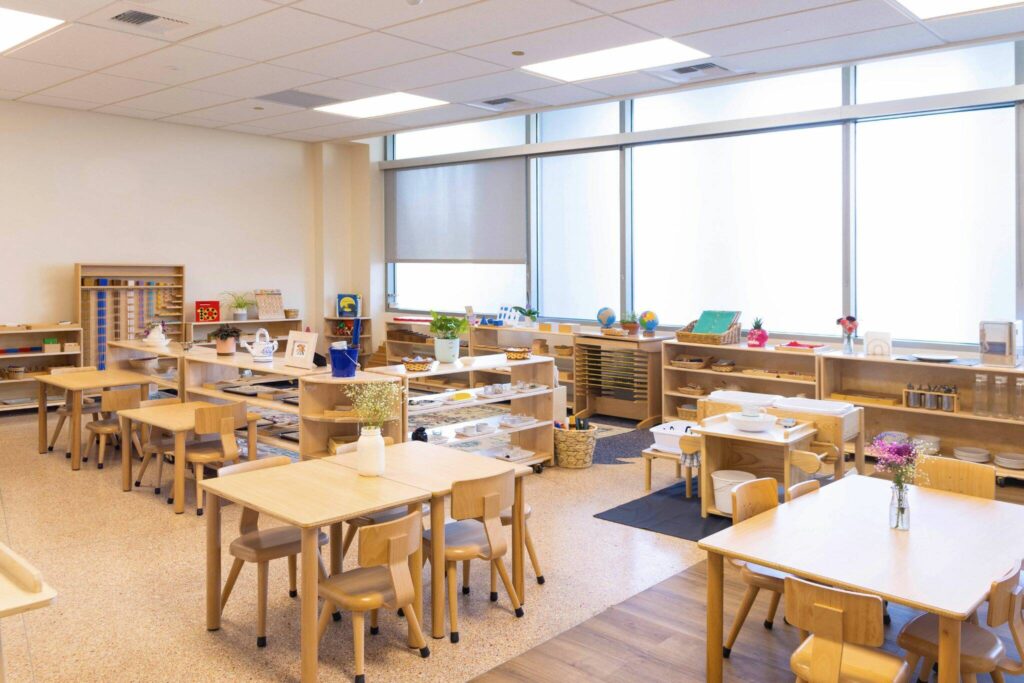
x,y
658,635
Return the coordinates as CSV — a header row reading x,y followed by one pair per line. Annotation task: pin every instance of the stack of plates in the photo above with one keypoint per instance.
x,y
927,444
1011,461
971,454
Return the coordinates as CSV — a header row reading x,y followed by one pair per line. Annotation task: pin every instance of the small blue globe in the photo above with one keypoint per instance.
x,y
606,316
649,321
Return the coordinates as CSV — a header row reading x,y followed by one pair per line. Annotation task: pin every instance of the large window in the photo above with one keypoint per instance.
x,y
578,224
453,286
578,122
936,251
750,222
464,137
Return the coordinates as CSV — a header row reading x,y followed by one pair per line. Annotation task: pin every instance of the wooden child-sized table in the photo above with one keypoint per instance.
x,y
21,589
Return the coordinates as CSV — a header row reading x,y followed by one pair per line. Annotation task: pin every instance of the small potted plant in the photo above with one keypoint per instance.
x,y
375,403
226,338
757,337
630,323
529,315
239,303
446,330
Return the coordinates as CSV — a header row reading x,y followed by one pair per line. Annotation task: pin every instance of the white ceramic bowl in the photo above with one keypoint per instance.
x,y
745,423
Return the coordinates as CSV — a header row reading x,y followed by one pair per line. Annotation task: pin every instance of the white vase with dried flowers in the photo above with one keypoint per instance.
x,y
375,403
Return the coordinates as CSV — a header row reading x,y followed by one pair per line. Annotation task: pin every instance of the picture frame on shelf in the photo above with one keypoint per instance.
x,y
301,349
878,343
207,311
349,305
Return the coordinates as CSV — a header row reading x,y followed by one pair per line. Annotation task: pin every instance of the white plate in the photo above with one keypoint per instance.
x,y
935,357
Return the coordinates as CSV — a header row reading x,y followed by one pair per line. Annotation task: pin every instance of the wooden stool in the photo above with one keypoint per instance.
x,y
652,454
111,402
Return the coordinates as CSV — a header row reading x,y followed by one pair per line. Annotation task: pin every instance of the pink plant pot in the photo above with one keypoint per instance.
x,y
757,338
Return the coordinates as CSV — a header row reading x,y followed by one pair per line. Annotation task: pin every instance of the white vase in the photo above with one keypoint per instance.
x,y
446,350
370,452
240,313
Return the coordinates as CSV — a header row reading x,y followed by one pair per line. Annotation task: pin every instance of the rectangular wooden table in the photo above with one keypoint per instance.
x,y
308,495
179,419
945,564
436,468
75,383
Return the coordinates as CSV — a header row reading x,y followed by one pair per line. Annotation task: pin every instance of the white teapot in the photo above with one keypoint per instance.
x,y
262,347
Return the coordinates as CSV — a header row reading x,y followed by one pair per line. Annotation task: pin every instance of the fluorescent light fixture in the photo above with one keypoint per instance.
x,y
17,27
381,105
617,60
929,9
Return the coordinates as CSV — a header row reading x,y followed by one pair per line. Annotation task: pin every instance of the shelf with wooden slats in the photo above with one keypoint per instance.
x,y
618,376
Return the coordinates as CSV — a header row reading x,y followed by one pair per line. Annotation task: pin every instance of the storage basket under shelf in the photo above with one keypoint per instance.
x,y
574,448
731,336
687,413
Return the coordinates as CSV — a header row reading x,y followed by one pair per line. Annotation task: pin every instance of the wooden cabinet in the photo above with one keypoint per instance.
x,y
24,354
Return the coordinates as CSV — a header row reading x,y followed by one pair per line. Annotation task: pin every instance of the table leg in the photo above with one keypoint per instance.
x,y
42,416
179,473
858,447
251,441
212,562
787,466
416,569
716,579
647,472
337,541
309,595
126,454
689,481
3,666
518,542
949,650
437,566
76,429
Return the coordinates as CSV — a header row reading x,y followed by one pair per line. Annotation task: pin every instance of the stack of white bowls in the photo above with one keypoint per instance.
x,y
971,454
927,444
1011,461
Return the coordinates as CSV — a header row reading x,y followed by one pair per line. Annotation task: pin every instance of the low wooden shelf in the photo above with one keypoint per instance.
x,y
19,393
619,376
335,330
278,328
320,393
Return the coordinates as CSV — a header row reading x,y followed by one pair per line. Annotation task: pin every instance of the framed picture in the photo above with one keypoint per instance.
x,y
300,350
349,306
207,311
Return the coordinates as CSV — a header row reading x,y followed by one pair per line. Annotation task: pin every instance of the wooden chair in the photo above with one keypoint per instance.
x,y
220,420
506,520
353,525
802,489
819,463
749,499
261,546
89,407
846,630
957,476
382,580
981,650
477,534
155,443
111,402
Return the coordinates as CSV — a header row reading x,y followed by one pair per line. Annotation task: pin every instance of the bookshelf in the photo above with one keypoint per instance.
x,y
26,347
340,329
320,393
278,328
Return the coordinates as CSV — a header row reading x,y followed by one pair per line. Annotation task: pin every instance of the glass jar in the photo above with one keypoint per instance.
x,y
1000,397
980,397
1018,403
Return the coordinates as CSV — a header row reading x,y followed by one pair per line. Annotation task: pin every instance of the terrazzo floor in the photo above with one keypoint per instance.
x,y
130,580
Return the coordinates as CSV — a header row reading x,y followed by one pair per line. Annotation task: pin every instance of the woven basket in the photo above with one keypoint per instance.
x,y
731,336
517,353
417,365
686,413
574,448
696,363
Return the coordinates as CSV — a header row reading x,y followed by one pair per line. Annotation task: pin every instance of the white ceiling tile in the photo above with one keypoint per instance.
x,y
119,110
274,34
563,41
247,128
562,94
341,89
189,120
363,53
491,20
243,110
58,9
351,128
687,16
218,13
610,6
627,84
436,116
176,100
297,120
442,68
834,50
10,94
62,102
377,14
979,24
492,85
826,22
31,76
86,47
253,81
177,64
102,89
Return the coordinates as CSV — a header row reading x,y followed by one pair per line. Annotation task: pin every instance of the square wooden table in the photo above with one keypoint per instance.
x,y
945,564
179,419
75,383
308,495
436,468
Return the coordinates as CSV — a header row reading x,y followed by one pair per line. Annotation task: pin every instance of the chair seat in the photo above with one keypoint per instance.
x,y
763,577
264,545
859,664
464,540
205,453
980,649
360,590
506,515
112,426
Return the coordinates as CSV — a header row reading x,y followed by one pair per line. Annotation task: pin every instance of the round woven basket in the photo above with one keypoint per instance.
x,y
574,448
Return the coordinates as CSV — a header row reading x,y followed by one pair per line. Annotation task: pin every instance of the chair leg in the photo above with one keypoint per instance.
x,y
350,535
773,607
741,616
261,603
969,678
236,569
416,632
533,555
453,603
137,443
56,431
102,451
374,630
325,618
465,577
199,470
357,644
509,588
494,583
146,457
292,576
88,448
997,677
159,472
322,571
926,669
913,659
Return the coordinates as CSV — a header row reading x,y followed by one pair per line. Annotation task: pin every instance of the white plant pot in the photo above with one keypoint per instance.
x,y
240,313
446,350
370,452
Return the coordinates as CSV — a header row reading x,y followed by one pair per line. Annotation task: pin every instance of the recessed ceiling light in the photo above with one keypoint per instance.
x,y
17,27
518,53
380,105
617,60
929,9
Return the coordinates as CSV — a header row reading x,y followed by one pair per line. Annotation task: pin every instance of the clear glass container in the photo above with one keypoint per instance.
x,y
1000,397
1018,402
980,396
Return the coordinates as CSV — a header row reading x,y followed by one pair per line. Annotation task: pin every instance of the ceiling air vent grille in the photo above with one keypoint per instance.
x,y
694,72
135,17
130,17
501,104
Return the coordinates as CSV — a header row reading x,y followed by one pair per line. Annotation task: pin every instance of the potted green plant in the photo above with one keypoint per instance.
x,y
226,338
239,303
446,330
375,403
630,323
529,315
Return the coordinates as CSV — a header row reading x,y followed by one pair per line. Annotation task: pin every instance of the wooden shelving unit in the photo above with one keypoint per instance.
x,y
319,393
115,302
20,393
619,376
397,348
339,329
277,327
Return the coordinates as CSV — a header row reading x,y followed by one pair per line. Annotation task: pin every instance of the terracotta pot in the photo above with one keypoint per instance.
x,y
631,328
226,347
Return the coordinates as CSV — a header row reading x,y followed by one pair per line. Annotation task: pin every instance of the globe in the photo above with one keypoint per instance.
x,y
606,316
649,320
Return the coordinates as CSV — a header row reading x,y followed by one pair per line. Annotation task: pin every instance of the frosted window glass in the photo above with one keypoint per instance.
x,y
578,212
579,122
972,68
750,223
453,286
935,224
464,137
761,97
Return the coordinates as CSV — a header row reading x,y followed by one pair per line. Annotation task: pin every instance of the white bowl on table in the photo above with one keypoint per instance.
x,y
751,423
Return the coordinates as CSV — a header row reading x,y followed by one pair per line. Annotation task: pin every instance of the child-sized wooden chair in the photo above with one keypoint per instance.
x,y
155,442
111,402
506,520
90,406
220,420
957,476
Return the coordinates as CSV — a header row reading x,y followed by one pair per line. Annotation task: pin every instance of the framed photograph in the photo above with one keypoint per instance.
x,y
300,350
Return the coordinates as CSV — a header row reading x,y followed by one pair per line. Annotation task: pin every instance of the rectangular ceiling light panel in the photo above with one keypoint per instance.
x,y
381,105
617,60
17,27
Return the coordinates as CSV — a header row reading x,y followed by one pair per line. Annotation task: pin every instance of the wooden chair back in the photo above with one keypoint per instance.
x,y
806,461
957,476
113,400
751,498
390,544
250,518
1005,601
222,420
158,402
802,489
835,617
63,370
484,499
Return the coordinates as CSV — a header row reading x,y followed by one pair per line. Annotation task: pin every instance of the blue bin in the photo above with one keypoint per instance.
x,y
344,362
